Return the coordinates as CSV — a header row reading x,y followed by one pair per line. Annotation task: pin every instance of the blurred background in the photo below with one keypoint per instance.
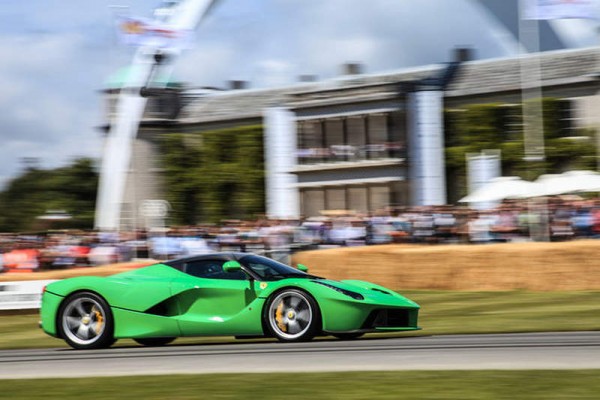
x,y
278,126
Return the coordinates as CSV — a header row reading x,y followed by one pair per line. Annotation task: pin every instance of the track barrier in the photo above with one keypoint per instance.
x,y
22,295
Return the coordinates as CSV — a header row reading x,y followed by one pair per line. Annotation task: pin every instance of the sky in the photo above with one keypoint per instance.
x,y
56,56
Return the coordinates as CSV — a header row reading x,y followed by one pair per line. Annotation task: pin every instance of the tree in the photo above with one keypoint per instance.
x,y
214,175
35,191
499,126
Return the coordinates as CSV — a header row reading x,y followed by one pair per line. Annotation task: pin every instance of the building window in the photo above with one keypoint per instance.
x,y
378,136
399,194
336,199
379,197
358,199
352,138
313,202
311,143
335,141
396,135
362,199
357,137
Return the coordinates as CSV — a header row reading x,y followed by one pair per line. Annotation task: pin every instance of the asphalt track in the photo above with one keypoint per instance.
x,y
457,352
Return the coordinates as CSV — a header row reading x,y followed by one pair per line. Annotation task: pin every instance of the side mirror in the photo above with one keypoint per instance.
x,y
302,267
232,266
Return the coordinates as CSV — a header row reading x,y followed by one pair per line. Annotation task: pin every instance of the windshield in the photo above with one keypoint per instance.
x,y
270,270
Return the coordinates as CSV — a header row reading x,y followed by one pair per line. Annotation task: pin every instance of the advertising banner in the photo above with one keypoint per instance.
x,y
559,9
143,32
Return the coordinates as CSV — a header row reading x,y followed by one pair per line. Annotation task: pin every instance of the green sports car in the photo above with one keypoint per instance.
x,y
229,294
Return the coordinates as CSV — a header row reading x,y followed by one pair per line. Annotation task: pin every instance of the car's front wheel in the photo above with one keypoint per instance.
x,y
85,321
293,316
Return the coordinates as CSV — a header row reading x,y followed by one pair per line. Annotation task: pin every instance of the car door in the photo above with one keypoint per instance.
x,y
215,302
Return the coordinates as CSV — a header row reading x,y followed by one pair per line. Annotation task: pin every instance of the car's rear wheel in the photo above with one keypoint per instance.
x,y
293,316
85,321
155,342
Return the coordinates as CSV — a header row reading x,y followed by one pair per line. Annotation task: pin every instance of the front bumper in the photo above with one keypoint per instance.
x,y
48,312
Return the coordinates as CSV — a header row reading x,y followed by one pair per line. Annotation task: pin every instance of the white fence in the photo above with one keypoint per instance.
x,y
21,295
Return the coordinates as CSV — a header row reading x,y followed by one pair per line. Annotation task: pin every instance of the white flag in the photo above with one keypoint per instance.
x,y
558,9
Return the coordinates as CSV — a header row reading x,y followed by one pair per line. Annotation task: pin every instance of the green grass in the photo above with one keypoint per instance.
x,y
442,312
501,312
464,385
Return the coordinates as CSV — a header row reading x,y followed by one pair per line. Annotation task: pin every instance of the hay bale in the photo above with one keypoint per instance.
x,y
511,266
73,272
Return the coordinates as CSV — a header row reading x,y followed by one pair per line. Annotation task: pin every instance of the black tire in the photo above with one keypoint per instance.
x,y
292,315
155,342
348,336
85,321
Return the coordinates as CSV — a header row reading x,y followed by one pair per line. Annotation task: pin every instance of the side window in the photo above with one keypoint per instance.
x,y
212,269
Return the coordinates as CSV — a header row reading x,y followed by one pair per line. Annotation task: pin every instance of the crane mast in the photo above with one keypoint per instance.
x,y
152,56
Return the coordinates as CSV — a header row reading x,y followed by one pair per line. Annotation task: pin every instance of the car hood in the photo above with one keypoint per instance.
x,y
371,292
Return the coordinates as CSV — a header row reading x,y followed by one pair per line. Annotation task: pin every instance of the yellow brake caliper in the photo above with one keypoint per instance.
x,y
279,317
99,320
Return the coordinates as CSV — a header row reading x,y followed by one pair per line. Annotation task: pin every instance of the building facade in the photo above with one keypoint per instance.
x,y
358,142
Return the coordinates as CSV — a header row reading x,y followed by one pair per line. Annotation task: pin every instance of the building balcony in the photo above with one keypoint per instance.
x,y
346,154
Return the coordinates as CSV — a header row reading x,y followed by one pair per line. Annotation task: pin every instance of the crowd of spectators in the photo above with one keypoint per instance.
x,y
554,219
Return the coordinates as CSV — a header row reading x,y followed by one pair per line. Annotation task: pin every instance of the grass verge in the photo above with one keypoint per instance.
x,y
452,312
442,312
464,385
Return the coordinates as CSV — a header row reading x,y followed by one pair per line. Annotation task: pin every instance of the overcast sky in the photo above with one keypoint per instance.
x,y
55,56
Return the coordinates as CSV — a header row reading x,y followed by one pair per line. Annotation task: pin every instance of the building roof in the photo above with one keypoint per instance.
x,y
244,104
230,105
562,67
500,75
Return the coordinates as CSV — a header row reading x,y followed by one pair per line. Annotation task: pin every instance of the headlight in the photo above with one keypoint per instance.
x,y
354,295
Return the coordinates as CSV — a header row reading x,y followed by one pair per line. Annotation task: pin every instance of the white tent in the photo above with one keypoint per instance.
x,y
568,182
512,187
501,188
